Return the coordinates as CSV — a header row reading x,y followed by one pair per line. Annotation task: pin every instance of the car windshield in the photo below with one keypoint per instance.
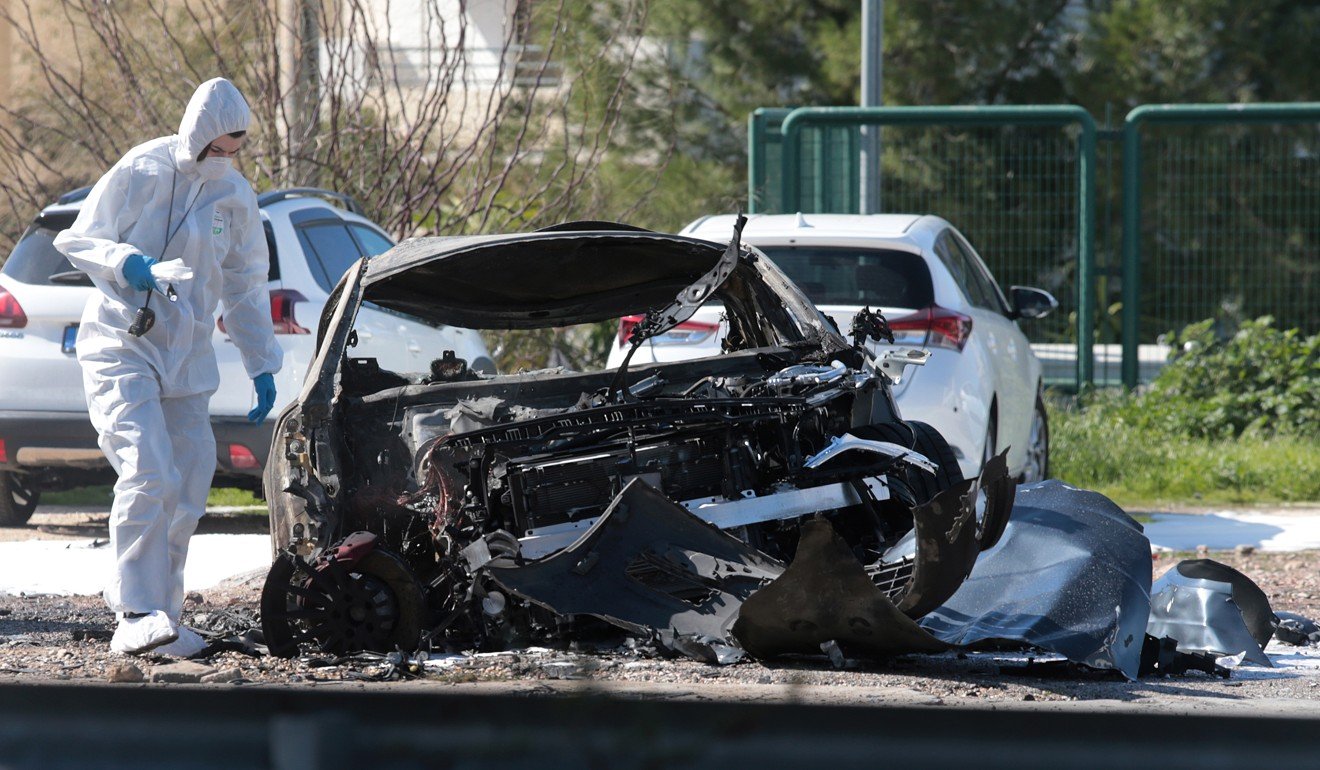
x,y
834,275
35,259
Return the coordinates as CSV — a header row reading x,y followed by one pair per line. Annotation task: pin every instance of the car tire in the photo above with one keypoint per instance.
x,y
1038,445
931,443
19,497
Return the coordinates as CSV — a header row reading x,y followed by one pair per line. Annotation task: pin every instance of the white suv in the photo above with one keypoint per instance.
x,y
46,439
981,387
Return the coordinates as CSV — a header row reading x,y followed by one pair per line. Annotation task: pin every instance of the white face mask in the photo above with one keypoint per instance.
x,y
213,168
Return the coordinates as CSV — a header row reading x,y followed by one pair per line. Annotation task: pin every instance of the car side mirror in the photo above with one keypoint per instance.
x,y
1031,303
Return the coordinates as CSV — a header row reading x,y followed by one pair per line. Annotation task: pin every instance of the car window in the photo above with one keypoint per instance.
x,y
34,258
371,241
980,277
274,274
832,275
964,273
330,249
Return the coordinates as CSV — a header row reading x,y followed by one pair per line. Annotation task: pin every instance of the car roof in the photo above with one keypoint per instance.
x,y
70,203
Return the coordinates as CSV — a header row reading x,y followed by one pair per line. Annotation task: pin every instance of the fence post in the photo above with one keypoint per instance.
x,y
755,158
1131,270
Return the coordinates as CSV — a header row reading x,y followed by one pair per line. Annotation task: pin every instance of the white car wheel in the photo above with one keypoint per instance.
x,y
1038,446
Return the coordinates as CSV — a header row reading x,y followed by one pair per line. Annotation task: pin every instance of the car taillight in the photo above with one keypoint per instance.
x,y
686,333
934,326
11,313
626,325
241,458
4,453
281,313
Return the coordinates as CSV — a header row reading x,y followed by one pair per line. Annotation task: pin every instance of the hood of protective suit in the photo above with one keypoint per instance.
x,y
216,109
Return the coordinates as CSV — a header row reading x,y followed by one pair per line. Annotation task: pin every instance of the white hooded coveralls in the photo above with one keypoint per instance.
x,y
148,396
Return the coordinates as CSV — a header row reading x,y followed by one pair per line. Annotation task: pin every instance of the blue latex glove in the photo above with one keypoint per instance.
x,y
265,385
137,271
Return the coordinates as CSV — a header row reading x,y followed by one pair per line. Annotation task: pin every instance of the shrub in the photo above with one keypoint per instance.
x,y
1259,379
1232,418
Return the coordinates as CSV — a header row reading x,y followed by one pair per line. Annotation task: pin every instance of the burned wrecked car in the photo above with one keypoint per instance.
x,y
454,509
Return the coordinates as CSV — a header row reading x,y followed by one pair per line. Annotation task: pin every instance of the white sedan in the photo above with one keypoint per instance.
x,y
981,387
46,439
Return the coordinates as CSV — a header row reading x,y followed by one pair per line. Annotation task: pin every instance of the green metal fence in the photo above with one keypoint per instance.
x,y
1017,181
1221,218
1220,208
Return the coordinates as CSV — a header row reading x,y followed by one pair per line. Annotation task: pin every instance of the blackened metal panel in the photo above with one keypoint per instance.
x,y
826,596
1071,574
999,489
947,548
647,565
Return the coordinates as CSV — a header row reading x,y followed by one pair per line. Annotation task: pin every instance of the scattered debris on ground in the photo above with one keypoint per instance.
x,y
48,638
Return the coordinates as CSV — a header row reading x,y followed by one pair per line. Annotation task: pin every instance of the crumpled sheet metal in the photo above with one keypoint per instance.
x,y
1201,614
1071,574
1249,598
947,539
826,596
999,489
947,548
648,566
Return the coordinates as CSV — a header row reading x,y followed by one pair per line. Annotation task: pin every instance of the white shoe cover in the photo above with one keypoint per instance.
x,y
187,645
137,635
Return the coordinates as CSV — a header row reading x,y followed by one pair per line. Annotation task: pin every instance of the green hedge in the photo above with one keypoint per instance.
x,y
1234,417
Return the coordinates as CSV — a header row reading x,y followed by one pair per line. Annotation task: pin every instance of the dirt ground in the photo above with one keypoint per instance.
x,y
65,639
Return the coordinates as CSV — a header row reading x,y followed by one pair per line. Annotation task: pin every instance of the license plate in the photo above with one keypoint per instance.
x,y
70,338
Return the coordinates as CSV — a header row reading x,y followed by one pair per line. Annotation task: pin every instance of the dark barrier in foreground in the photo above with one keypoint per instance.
x,y
252,727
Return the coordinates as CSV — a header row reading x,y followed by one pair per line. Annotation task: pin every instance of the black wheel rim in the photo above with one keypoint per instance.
x,y
373,605
24,492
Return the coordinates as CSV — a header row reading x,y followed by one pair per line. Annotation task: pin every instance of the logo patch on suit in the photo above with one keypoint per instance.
x,y
217,223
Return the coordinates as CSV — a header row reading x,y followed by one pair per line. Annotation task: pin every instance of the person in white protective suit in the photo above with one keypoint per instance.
x,y
172,218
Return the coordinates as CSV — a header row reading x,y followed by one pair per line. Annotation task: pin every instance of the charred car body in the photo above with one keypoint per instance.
x,y
451,508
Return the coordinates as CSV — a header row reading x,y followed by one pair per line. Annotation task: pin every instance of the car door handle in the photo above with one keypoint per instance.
x,y
413,347
363,334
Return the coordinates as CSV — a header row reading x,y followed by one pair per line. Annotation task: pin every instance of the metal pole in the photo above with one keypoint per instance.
x,y
1086,166
873,31
1131,246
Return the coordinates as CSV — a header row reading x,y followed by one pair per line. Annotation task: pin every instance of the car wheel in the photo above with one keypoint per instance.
x,y
931,443
375,605
19,497
1038,445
